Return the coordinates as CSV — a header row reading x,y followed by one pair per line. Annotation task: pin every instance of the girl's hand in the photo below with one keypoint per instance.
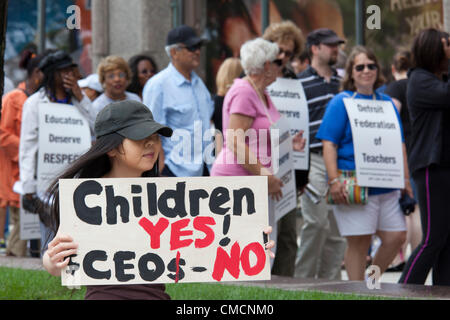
x,y
299,142
275,186
59,251
271,244
338,193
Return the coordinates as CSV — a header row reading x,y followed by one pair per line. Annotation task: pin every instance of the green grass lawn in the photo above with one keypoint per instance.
x,y
18,284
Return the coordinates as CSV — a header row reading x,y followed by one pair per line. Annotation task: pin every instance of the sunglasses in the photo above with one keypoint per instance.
x,y
370,66
192,48
278,62
287,54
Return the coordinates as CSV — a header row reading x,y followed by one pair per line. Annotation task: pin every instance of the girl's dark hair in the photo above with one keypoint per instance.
x,y
95,163
29,61
135,86
48,83
402,61
428,50
348,82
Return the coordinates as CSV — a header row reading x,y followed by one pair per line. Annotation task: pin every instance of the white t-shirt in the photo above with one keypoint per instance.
x,y
103,100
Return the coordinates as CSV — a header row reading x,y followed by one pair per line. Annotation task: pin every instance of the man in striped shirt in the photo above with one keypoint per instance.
x,y
321,249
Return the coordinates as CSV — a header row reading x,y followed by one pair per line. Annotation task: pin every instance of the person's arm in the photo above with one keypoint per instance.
x,y
397,104
82,102
56,257
9,141
337,189
239,124
218,141
408,188
29,144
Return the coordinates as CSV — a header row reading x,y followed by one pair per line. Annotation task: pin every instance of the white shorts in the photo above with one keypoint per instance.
x,y
381,213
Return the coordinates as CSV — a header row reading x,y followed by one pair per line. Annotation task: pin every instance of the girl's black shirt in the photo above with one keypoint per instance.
x,y
429,106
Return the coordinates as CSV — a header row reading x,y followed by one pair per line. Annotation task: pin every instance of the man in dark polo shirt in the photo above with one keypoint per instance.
x,y
321,249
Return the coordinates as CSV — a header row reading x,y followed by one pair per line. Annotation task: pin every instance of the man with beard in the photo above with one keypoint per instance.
x,y
321,249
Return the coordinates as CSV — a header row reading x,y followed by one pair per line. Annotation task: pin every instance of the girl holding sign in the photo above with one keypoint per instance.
x,y
127,146
382,214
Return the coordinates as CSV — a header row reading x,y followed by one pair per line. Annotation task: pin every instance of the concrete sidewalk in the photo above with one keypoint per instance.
x,y
389,286
389,290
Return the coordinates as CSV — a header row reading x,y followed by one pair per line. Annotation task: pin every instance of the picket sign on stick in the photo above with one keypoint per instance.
x,y
290,100
165,230
283,166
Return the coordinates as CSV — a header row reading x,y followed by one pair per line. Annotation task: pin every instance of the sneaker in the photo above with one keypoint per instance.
x,y
2,246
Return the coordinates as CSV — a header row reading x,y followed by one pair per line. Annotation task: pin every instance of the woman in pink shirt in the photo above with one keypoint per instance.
x,y
248,114
248,110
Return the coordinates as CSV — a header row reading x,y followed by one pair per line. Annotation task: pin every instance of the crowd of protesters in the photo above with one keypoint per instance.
x,y
335,232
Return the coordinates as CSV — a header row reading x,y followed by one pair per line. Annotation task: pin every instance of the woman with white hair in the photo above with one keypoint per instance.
x,y
248,114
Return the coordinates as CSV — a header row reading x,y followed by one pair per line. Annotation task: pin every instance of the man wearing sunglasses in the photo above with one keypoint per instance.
x,y
178,98
322,248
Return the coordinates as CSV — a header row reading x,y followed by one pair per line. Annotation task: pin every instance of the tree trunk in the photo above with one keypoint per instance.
x,y
3,23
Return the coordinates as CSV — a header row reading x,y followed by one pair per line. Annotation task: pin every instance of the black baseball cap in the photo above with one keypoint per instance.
x,y
56,61
323,35
183,34
130,119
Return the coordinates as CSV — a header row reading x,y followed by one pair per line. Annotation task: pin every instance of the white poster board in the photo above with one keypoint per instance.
x,y
290,100
64,135
377,143
165,230
283,166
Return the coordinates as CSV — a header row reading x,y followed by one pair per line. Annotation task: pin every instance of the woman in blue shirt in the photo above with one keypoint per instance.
x,y
382,215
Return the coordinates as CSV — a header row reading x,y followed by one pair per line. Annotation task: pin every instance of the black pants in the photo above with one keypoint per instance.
x,y
284,262
433,185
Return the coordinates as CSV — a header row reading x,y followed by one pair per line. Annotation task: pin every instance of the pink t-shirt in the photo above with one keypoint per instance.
x,y
243,99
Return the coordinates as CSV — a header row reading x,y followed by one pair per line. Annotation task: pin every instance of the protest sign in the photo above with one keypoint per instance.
x,y
283,166
165,230
377,143
64,135
289,98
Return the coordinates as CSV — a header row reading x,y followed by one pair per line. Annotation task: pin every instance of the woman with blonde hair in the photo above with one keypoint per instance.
x,y
290,41
114,75
229,70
